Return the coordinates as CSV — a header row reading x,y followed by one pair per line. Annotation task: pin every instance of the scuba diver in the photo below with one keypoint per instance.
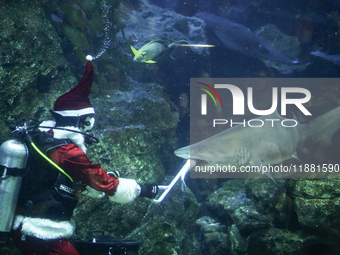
x,y
42,221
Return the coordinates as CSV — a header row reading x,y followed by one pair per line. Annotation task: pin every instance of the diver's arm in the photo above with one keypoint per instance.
x,y
74,161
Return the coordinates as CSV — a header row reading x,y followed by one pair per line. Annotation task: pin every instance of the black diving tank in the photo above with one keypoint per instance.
x,y
13,160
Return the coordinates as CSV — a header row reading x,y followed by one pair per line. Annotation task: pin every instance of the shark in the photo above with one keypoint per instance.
x,y
254,146
335,59
240,38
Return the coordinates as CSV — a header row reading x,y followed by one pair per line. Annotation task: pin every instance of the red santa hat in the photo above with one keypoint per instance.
x,y
76,102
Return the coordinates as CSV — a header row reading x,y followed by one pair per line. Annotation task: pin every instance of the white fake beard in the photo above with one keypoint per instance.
x,y
76,138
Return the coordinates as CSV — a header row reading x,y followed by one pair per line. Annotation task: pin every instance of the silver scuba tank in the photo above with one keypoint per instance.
x,y
13,160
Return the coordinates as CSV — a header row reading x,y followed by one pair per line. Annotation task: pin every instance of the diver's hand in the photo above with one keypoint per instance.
x,y
149,190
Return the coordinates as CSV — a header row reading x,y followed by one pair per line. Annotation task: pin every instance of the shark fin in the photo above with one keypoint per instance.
x,y
295,118
150,62
269,175
296,157
322,128
133,50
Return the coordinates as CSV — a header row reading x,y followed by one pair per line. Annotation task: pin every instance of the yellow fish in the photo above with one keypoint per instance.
x,y
150,52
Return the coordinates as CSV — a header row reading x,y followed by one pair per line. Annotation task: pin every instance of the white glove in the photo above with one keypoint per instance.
x,y
126,192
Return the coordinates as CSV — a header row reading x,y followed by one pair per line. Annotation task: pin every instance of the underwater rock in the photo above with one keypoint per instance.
x,y
33,70
284,44
149,22
214,239
9,249
246,207
248,219
263,218
283,216
230,197
279,241
318,213
140,27
316,202
85,27
74,14
315,188
225,202
137,130
142,22
265,193
237,243
237,195
169,228
166,228
77,38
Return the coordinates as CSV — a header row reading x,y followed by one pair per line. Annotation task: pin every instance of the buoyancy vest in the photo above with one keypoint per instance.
x,y
45,192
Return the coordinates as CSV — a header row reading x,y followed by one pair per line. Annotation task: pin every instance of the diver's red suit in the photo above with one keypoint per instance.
x,y
74,161
48,196
36,193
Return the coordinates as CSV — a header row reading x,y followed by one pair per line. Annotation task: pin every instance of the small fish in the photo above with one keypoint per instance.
x,y
335,59
150,52
154,50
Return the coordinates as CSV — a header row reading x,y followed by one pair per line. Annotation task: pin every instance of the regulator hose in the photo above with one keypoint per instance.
x,y
47,158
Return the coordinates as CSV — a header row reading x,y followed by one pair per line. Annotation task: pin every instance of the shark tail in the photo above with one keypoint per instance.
x,y
318,53
322,128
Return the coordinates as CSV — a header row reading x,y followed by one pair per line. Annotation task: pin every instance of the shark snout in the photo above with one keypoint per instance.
x,y
183,152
